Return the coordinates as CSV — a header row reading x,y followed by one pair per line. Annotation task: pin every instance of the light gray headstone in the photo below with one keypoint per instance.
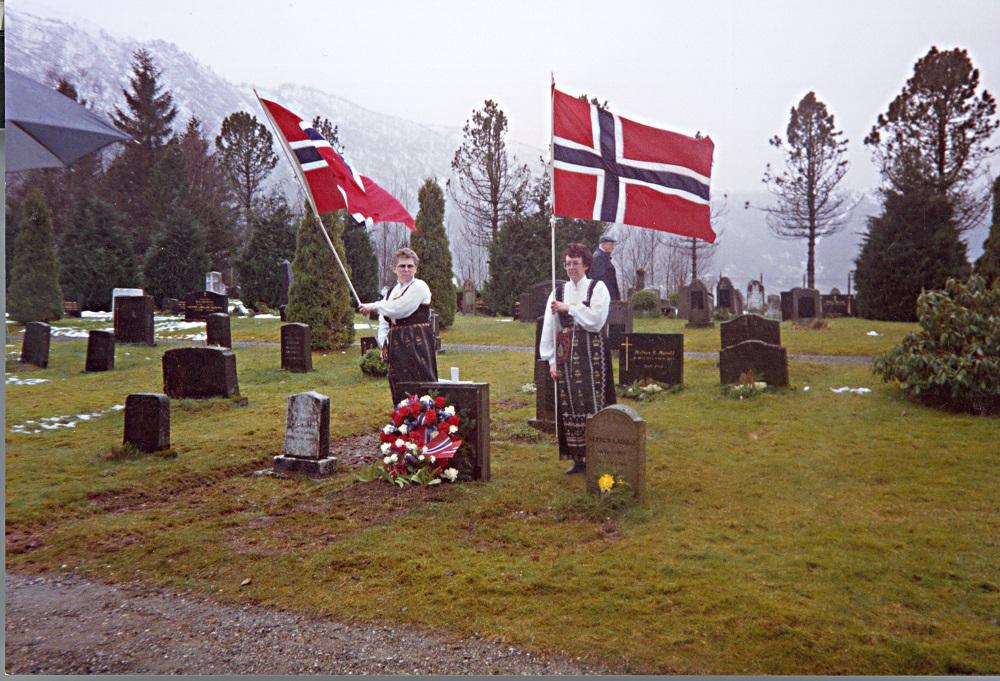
x,y
616,445
307,427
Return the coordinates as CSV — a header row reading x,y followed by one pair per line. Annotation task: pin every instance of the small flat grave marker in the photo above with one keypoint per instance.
x,y
35,346
100,351
200,373
147,421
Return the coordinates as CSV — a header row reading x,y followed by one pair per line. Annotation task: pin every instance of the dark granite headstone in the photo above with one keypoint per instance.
x,y
307,437
806,304
200,372
836,305
71,307
620,318
285,270
133,319
700,307
768,362
472,402
147,421
750,327
545,400
100,351
640,279
533,300
651,356
368,343
296,351
35,346
616,446
787,306
724,295
218,330
281,312
200,304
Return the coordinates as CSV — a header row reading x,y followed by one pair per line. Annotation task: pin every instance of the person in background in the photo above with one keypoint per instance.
x,y
603,269
404,324
579,357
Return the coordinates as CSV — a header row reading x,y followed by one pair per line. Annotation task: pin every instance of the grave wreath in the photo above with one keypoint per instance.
x,y
418,445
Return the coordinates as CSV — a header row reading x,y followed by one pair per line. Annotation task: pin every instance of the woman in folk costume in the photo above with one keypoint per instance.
x,y
404,325
579,358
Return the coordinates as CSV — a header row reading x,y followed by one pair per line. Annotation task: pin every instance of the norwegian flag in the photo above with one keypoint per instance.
x,y
333,183
442,446
608,168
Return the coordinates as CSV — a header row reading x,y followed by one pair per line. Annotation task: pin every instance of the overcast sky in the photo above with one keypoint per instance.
x,y
731,69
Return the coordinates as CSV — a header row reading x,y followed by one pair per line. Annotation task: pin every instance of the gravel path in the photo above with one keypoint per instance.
x,y
66,624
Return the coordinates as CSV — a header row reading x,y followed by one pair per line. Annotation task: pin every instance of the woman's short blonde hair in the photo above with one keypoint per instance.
x,y
405,252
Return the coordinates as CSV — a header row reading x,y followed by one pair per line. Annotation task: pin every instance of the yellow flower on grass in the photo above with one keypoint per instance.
x,y
605,482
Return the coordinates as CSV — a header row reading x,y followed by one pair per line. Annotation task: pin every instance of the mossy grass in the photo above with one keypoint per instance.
x,y
798,532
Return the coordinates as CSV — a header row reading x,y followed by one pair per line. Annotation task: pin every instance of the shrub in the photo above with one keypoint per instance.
x,y
646,303
954,360
372,364
722,315
35,295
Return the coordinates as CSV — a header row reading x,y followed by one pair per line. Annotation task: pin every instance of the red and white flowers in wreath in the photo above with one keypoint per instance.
x,y
419,443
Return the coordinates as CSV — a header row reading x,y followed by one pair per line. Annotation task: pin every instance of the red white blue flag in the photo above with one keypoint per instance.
x,y
609,168
331,181
442,446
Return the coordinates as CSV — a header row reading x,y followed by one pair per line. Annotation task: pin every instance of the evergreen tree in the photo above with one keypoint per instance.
x,y
177,261
913,246
939,128
319,295
96,255
486,176
430,242
34,280
361,259
247,155
148,118
988,264
272,239
808,205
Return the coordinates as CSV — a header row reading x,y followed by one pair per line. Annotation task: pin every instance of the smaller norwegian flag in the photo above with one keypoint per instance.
x,y
442,446
608,168
331,181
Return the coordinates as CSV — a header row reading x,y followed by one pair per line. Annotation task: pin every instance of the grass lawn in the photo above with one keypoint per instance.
x,y
796,532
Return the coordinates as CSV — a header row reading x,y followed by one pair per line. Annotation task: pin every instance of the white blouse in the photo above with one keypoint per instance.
x,y
401,303
591,318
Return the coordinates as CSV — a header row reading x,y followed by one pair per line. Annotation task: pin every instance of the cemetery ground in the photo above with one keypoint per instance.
x,y
795,532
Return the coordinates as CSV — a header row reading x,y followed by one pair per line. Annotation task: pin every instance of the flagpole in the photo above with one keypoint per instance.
x,y
312,201
552,233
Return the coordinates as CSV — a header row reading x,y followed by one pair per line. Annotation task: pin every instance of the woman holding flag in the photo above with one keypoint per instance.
x,y
404,327
579,356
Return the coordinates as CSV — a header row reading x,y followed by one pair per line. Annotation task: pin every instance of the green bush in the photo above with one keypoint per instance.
x,y
35,295
372,364
954,361
646,303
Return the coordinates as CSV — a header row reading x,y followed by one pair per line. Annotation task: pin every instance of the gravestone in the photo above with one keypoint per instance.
x,y
472,404
700,306
522,307
100,351
767,362
740,307
281,312
200,372
640,279
683,302
836,304
651,356
533,305
368,343
147,421
806,304
296,351
756,301
122,293
213,283
750,327
774,310
307,437
436,330
725,295
35,345
218,330
71,307
200,304
620,318
545,399
468,305
616,445
171,305
133,319
286,278
787,306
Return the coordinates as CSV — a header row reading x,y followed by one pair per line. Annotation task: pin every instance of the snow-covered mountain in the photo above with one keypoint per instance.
x,y
397,153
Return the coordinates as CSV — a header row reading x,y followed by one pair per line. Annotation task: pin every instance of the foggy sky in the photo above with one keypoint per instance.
x,y
729,69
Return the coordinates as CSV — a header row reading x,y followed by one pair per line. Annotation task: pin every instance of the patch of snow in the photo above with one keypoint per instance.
x,y
266,316
873,333
846,389
11,378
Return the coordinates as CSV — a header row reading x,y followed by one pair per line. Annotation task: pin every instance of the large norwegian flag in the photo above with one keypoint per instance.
x,y
333,183
608,168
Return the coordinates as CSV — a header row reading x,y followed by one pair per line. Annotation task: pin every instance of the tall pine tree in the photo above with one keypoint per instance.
x,y
272,239
431,243
96,255
988,264
319,295
361,259
34,293
246,152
